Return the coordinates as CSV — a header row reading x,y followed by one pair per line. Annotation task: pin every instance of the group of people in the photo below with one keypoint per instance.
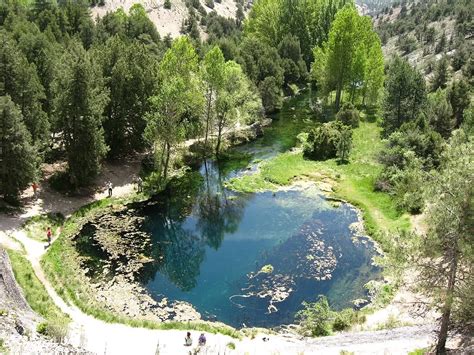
x,y
188,341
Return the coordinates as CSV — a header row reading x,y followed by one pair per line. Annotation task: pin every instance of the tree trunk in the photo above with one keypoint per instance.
x,y
167,161
446,315
352,93
219,138
338,98
208,117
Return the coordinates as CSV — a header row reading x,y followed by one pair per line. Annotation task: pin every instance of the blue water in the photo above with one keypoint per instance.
x,y
211,243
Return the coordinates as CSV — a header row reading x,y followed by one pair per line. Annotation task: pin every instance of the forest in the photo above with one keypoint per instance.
x,y
85,90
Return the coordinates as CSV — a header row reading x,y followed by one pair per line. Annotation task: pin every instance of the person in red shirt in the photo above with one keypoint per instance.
x,y
49,235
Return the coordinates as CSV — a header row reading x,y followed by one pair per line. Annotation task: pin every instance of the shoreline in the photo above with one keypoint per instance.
x,y
130,299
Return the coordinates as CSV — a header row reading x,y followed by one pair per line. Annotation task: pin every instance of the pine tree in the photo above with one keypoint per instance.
x,y
130,71
440,77
440,114
459,98
19,80
446,256
405,95
81,98
18,158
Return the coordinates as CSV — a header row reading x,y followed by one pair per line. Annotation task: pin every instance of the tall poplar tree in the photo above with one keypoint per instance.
x,y
213,76
176,104
350,59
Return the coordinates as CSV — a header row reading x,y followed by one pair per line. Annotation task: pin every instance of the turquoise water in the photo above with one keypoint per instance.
x,y
252,259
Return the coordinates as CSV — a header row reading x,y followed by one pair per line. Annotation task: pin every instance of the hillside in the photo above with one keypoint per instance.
x,y
168,21
424,32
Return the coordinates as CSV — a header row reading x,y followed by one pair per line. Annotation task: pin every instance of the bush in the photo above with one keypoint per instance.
x,y
348,115
315,318
56,329
210,3
344,144
323,142
61,182
167,4
344,319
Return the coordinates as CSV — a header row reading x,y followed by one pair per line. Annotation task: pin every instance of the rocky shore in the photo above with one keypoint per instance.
x,y
117,258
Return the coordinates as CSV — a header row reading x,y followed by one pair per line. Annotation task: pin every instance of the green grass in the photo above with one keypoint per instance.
x,y
354,181
62,269
36,226
34,291
3,347
419,352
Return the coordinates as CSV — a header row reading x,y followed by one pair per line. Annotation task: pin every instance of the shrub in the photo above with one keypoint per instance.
x,y
343,319
210,3
56,329
344,144
231,345
167,4
323,141
3,348
61,182
315,317
348,115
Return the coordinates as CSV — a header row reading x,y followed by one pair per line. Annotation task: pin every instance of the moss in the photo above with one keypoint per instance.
x,y
250,183
267,269
233,160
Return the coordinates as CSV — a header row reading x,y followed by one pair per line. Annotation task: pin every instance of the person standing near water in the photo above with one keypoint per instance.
x,y
202,340
187,340
110,187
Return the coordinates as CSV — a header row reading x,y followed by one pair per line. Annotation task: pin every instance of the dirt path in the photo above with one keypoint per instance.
x,y
106,338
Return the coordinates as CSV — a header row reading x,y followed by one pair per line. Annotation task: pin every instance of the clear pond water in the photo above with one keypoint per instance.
x,y
252,259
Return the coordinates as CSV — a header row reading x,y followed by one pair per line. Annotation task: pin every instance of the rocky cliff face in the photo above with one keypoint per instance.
x,y
18,321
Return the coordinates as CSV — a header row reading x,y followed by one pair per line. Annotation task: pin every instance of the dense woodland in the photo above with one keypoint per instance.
x,y
82,90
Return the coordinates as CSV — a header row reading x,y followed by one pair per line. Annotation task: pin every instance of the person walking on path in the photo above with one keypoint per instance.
x,y
49,235
110,187
139,184
35,189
